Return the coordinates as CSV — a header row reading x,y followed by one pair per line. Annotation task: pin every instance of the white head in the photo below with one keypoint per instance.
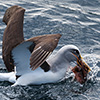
x,y
69,52
66,55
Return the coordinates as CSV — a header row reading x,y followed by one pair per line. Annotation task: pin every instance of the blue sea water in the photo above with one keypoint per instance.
x,y
79,23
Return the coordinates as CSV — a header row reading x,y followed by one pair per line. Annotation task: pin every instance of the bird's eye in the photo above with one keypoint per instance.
x,y
75,51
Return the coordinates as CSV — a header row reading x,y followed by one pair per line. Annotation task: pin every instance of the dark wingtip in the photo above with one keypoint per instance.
x,y
9,12
59,34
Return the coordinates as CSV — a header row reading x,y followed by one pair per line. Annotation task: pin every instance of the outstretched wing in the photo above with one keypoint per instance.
x,y
44,46
21,56
33,52
13,34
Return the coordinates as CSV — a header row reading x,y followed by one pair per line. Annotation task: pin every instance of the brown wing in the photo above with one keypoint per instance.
x,y
13,34
44,46
38,57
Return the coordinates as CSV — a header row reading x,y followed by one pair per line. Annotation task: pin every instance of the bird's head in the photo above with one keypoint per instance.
x,y
72,54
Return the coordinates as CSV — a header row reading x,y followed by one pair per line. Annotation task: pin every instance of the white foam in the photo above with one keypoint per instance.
x,y
87,23
94,19
97,13
3,27
0,42
1,56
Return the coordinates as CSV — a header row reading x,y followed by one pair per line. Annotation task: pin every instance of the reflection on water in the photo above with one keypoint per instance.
x,y
79,23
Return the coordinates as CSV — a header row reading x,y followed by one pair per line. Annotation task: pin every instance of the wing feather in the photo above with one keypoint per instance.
x,y
40,59
37,54
44,46
13,34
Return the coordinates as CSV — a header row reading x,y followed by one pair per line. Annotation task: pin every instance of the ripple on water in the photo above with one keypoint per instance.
x,y
78,22
3,97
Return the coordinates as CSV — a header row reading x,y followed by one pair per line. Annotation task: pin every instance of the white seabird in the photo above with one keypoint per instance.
x,y
30,56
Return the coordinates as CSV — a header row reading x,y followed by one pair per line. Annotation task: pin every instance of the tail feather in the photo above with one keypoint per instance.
x,y
8,77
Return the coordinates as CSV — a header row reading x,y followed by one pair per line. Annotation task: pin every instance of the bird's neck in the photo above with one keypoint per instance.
x,y
58,63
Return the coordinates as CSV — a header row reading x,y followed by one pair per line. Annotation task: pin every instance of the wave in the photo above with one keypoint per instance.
x,y
79,23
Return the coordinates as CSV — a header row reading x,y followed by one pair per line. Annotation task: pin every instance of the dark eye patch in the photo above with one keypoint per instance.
x,y
75,51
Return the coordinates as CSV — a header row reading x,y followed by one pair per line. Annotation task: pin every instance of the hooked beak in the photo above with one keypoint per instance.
x,y
81,70
82,64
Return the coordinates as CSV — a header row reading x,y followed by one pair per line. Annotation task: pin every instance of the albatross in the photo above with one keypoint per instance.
x,y
28,61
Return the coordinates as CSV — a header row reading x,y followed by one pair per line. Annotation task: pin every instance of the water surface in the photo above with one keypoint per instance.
x,y
79,23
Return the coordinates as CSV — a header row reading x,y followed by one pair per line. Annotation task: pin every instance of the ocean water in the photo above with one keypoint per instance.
x,y
79,23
